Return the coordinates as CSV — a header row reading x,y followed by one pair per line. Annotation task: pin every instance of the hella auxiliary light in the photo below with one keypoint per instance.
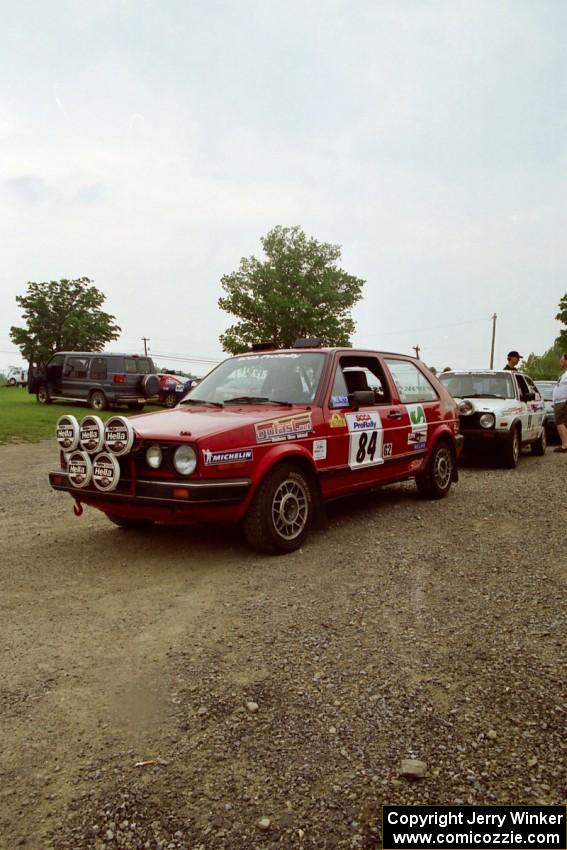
x,y
185,460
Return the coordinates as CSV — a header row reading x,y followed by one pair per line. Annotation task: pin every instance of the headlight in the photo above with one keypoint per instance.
x,y
185,460
154,457
487,420
465,408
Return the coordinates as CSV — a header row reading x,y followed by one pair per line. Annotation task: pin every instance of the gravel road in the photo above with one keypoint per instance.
x,y
170,689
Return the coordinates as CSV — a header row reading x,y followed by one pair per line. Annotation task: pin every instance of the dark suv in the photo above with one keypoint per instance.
x,y
97,378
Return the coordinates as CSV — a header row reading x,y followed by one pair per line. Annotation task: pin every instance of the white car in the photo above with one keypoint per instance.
x,y
502,409
17,377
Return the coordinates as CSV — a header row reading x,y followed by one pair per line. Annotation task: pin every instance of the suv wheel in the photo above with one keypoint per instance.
x,y
43,395
98,400
511,454
280,514
435,481
539,446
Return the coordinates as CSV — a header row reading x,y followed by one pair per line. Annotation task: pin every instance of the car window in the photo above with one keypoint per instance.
x,y
98,368
138,366
76,367
522,384
546,391
412,384
357,372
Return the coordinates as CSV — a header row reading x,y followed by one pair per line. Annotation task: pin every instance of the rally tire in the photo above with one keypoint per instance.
x,y
170,400
435,480
281,512
539,446
42,395
511,450
98,400
130,523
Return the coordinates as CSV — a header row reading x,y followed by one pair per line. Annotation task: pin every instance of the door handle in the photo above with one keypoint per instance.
x,y
395,414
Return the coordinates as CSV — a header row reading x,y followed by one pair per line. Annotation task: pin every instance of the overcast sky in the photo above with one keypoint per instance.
x,y
148,144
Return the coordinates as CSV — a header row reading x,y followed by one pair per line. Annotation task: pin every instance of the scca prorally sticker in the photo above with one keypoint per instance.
x,y
67,433
319,449
118,435
241,456
106,472
366,438
417,437
286,428
79,469
91,434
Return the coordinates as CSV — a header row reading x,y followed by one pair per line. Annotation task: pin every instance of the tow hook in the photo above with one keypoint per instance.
x,y
77,508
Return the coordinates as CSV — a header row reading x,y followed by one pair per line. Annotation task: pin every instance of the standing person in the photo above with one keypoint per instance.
x,y
512,361
560,405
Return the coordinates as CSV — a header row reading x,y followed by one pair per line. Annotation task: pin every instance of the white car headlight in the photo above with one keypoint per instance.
x,y
185,460
154,457
465,408
487,420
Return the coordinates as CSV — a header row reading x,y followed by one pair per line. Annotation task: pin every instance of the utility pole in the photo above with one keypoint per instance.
x,y
145,340
417,349
493,340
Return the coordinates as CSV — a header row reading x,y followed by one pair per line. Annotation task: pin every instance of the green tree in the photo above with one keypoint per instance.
x,y
544,367
562,317
62,315
297,291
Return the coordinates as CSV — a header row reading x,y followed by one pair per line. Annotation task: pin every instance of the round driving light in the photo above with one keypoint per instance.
x,y
67,433
465,408
118,435
91,434
154,457
106,472
487,420
79,469
185,460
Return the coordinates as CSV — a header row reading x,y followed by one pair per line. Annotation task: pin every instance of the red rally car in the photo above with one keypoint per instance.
x,y
264,440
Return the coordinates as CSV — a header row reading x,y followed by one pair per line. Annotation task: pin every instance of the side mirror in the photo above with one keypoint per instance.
x,y
362,398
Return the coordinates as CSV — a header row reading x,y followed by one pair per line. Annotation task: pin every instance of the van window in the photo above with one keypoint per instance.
x,y
138,366
98,368
76,367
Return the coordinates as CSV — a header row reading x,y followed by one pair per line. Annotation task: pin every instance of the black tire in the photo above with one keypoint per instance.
x,y
435,480
539,446
42,395
136,405
98,400
150,385
511,450
281,512
12,382
130,522
170,400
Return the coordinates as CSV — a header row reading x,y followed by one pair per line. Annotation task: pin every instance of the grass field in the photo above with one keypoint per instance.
x,y
23,420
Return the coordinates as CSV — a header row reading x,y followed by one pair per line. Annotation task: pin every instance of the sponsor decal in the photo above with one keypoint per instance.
x,y
106,472
337,420
91,434
212,458
67,433
286,428
387,450
118,435
79,469
417,438
319,449
369,421
339,401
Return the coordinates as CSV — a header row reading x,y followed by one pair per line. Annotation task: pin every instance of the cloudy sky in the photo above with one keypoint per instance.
x,y
148,144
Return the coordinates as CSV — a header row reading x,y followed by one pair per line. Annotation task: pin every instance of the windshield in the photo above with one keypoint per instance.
x,y
262,378
479,385
546,391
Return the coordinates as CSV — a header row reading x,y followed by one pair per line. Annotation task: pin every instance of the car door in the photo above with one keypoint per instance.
x,y
527,413
75,377
54,373
536,406
364,443
421,407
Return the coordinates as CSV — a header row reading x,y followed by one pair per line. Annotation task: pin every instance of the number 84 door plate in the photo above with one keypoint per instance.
x,y
366,438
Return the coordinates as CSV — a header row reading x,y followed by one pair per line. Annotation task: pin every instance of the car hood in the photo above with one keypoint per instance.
x,y
194,422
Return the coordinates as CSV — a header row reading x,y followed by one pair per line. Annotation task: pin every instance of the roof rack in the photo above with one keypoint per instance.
x,y
264,346
308,342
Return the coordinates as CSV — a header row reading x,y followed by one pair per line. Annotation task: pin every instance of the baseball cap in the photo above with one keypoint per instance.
x,y
515,354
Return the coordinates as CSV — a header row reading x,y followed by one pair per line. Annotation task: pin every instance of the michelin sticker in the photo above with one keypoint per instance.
x,y
213,458
366,438
319,449
417,437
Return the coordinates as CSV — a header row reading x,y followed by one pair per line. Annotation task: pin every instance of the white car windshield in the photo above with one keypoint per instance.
x,y
479,385
285,378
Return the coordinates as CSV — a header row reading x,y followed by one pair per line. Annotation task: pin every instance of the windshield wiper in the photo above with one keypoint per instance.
x,y
200,401
481,395
256,399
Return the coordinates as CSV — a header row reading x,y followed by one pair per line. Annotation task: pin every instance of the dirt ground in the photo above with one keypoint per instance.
x,y
273,698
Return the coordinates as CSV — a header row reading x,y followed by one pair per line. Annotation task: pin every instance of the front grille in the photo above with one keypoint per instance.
x,y
166,470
